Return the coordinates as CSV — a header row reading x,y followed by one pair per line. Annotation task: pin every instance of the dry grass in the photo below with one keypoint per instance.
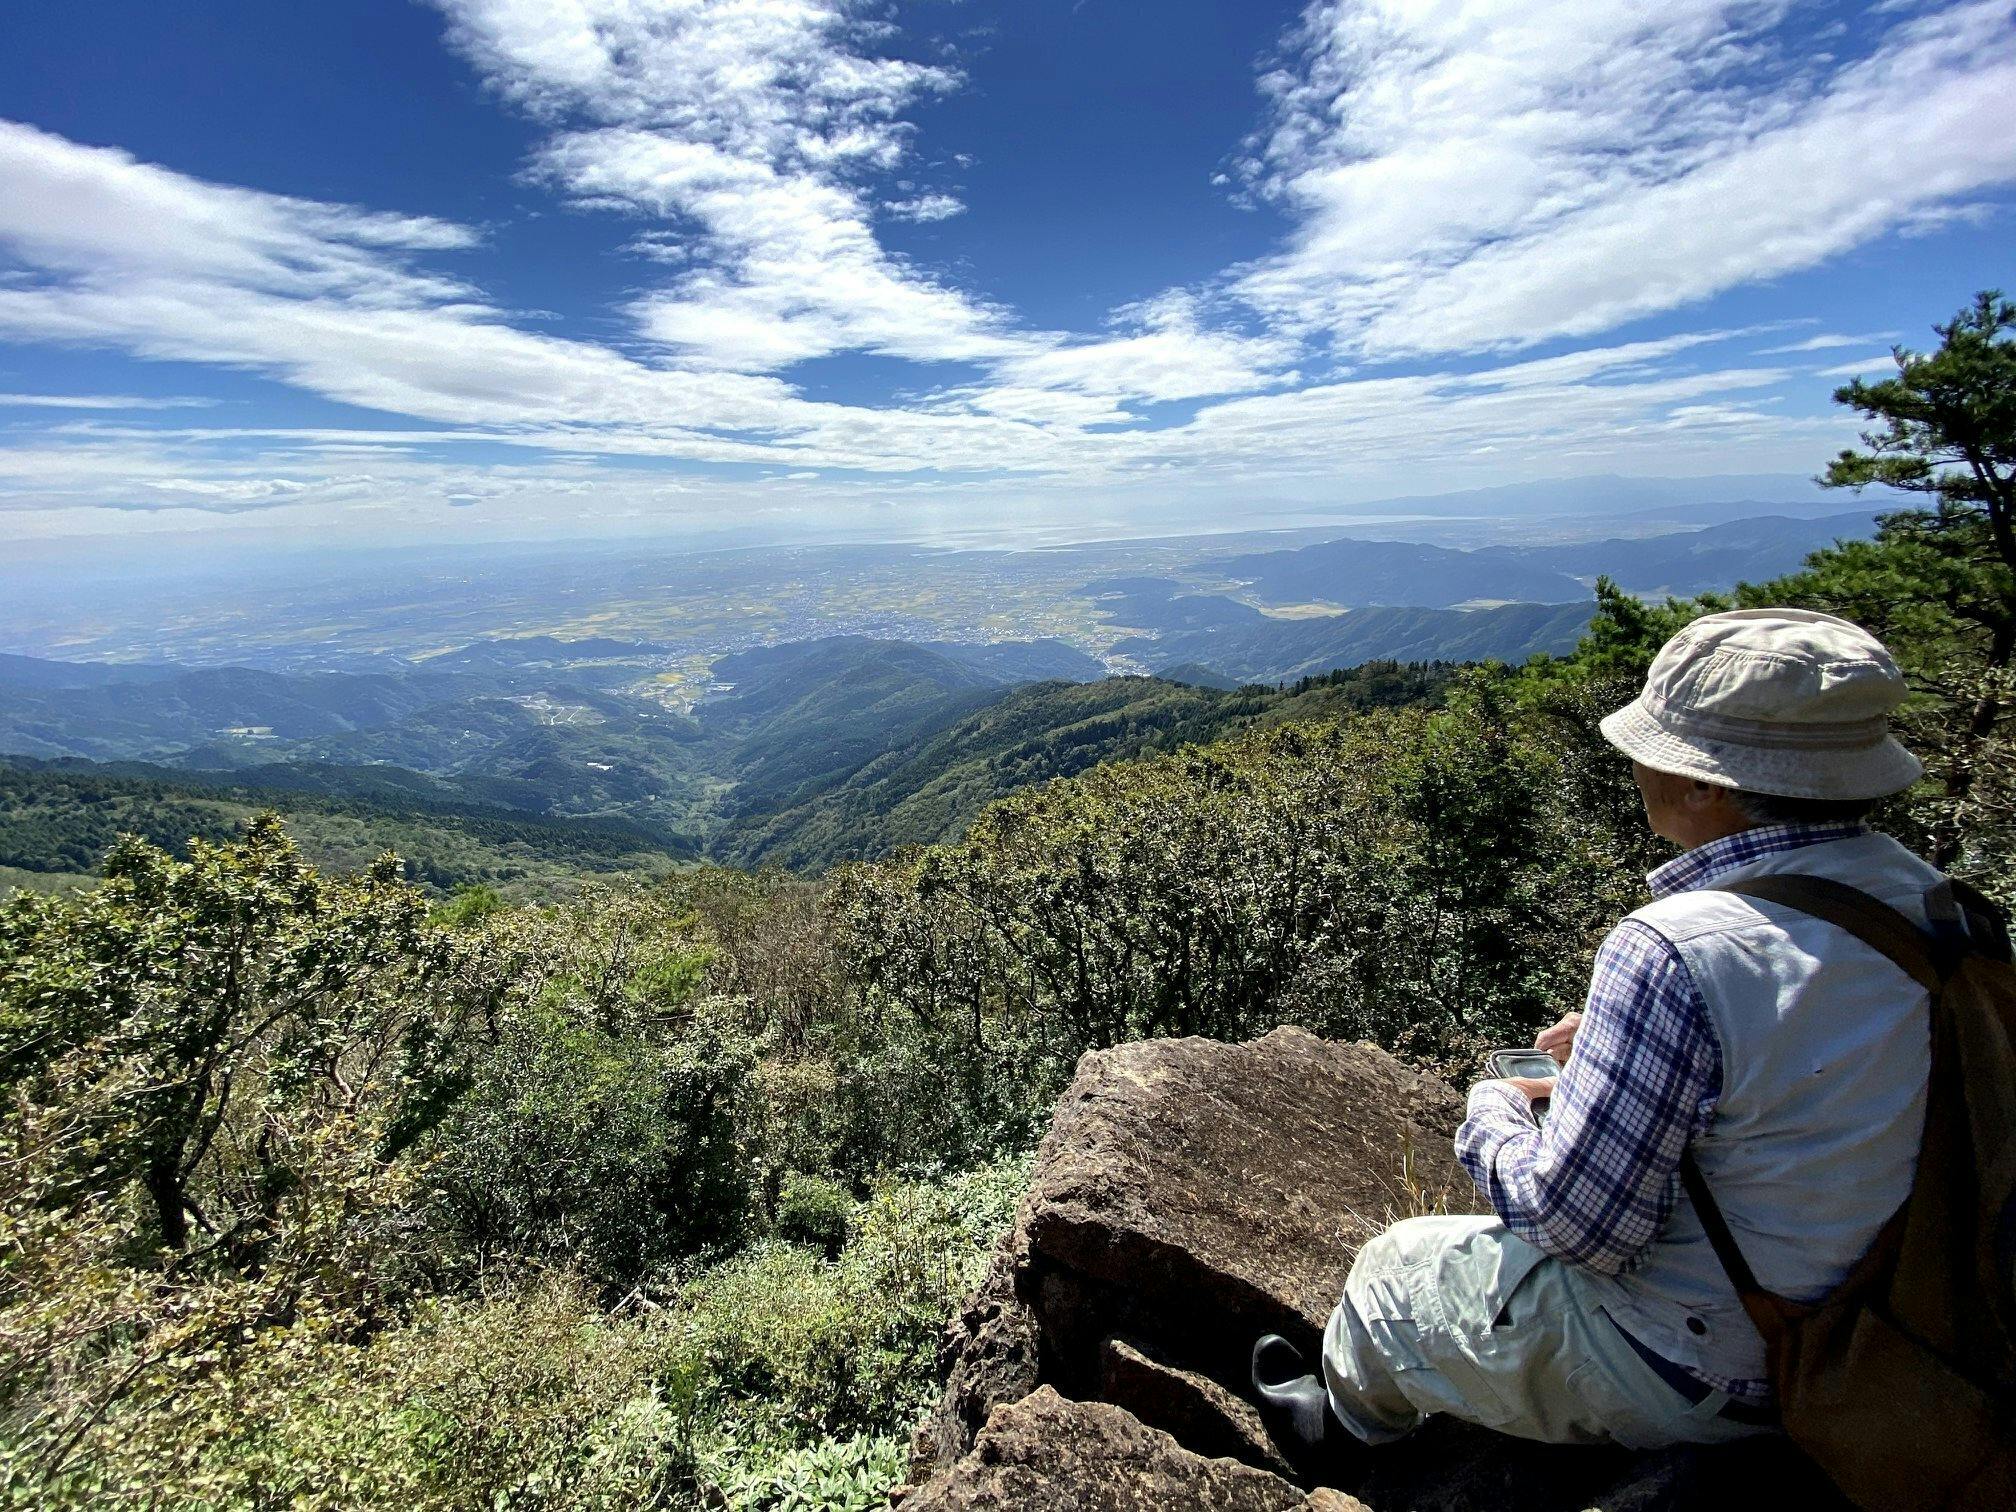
x,y
1417,1190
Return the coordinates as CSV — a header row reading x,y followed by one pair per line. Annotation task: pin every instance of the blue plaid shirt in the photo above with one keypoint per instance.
x,y
1597,1184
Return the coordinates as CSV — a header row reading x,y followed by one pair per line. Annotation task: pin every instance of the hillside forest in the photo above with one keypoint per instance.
x,y
321,1187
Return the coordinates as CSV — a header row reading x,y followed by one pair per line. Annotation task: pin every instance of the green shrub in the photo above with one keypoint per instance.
x,y
529,1399
838,1475
796,1348
608,1152
813,1211
470,903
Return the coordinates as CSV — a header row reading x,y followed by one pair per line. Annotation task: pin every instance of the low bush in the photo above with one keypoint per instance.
x,y
799,1348
813,1211
614,1154
529,1399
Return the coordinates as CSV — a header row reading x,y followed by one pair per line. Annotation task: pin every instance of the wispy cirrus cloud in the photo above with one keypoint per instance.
x,y
100,213
99,402
1826,342
1617,406
1488,174
1885,364
925,208
340,303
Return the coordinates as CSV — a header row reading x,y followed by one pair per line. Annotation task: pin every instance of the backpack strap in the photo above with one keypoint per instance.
x,y
1876,924
1727,1250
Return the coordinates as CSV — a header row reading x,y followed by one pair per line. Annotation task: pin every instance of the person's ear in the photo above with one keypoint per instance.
x,y
1715,807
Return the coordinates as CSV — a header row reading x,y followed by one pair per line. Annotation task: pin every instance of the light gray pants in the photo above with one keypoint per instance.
x,y
1459,1315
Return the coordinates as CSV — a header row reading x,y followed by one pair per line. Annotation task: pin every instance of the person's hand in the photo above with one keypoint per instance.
x,y
1535,1087
1558,1040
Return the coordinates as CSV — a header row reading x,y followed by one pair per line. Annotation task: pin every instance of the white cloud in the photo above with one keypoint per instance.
x,y
98,209
1885,364
1930,220
925,207
763,80
658,246
1634,358
1492,173
98,402
749,123
1826,342
1041,406
753,127
1615,406
1608,404
1163,352
335,301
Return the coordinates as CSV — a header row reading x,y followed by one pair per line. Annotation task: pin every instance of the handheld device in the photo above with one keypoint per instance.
x,y
1527,1062
1524,1063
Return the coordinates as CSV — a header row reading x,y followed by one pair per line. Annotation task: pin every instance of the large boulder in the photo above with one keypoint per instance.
x,y
1189,1197
1192,1195
1046,1454
988,1359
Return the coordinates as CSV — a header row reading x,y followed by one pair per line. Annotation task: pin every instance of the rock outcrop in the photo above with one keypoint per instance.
x,y
1047,1454
1190,1196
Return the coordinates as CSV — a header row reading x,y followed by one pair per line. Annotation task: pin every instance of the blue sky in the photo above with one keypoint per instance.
x,y
487,269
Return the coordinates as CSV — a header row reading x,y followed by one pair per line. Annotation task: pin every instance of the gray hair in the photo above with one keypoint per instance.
x,y
1772,808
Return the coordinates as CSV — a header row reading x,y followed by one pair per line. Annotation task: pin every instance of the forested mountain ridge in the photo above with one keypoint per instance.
x,y
1278,650
931,788
552,728
804,753
59,819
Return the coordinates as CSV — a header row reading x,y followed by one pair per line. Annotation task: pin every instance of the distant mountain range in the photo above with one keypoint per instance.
x,y
805,753
1611,494
838,746
1280,650
1356,573
58,817
1697,561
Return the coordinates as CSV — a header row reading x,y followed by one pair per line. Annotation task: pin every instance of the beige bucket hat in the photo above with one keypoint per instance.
x,y
1781,701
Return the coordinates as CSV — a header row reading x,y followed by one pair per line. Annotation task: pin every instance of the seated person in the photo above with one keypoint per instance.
x,y
1788,1056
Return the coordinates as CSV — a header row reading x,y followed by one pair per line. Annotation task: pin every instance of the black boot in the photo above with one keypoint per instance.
x,y
1293,1394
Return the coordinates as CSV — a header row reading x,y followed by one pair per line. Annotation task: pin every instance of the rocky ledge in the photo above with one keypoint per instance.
x,y
1190,1196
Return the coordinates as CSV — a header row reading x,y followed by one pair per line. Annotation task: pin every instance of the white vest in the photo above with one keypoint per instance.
x,y
1826,1050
